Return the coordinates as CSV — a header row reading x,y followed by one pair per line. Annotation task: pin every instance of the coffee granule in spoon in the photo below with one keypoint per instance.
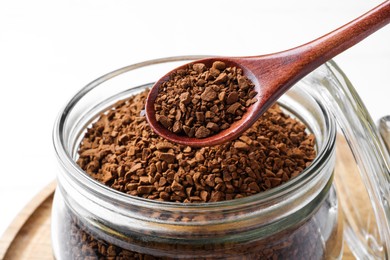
x,y
198,101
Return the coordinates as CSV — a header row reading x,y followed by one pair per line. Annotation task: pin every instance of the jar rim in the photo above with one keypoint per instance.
x,y
78,175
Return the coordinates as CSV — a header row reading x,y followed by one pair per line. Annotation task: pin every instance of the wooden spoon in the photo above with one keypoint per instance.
x,y
274,74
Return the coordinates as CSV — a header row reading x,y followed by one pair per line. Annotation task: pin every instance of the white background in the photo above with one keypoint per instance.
x,y
50,49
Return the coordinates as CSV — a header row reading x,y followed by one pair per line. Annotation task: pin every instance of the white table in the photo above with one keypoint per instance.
x,y
50,49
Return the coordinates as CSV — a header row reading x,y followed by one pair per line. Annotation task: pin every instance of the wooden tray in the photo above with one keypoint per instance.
x,y
28,236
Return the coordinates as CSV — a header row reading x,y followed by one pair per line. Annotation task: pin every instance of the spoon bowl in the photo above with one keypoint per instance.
x,y
273,74
235,129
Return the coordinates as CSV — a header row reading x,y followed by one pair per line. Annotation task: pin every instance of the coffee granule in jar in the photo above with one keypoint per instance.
x,y
198,101
121,151
300,242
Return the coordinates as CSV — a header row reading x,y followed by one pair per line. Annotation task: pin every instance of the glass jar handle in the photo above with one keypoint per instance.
x,y
384,129
369,151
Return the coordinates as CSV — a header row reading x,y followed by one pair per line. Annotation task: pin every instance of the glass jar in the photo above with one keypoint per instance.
x,y
300,219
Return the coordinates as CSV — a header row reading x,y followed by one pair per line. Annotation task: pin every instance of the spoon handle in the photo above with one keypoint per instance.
x,y
292,65
328,46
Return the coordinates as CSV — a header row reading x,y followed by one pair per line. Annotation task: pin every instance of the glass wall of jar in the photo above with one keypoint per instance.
x,y
299,219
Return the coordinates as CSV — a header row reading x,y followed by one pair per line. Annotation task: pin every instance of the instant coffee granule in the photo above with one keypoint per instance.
x,y
198,101
121,151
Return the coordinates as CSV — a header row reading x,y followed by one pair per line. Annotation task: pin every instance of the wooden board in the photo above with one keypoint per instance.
x,y
28,237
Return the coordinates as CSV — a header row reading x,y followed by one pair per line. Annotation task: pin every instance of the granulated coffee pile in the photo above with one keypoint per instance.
x,y
200,101
300,242
121,151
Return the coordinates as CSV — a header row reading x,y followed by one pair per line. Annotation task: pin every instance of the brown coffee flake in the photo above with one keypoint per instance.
x,y
177,127
189,131
233,108
254,186
165,121
185,98
232,98
199,67
164,146
212,126
222,78
106,177
209,94
213,73
202,132
176,186
219,65
135,167
241,146
222,96
242,82
217,196
145,189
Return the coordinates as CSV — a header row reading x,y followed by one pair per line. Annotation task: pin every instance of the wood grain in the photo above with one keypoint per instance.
x,y
28,236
